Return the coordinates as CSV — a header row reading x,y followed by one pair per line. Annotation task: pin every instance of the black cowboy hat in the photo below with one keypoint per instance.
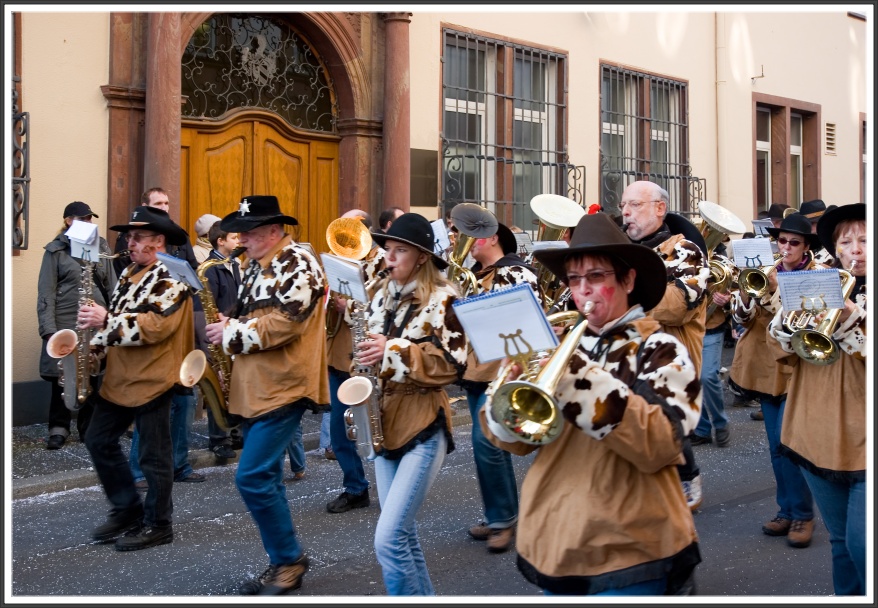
x,y
507,240
812,209
598,234
681,225
78,209
415,230
255,211
832,218
157,220
797,224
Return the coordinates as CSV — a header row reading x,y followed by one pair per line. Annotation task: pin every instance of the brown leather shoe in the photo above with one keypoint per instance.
x,y
800,533
500,541
285,578
480,531
779,526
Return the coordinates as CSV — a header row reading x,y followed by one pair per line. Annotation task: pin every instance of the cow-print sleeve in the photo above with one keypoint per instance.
x,y
165,297
686,270
851,335
507,276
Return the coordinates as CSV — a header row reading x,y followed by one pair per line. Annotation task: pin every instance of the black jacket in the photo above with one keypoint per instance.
x,y
223,283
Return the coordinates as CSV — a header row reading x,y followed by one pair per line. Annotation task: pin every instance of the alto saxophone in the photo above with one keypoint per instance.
x,y
213,380
362,388
73,349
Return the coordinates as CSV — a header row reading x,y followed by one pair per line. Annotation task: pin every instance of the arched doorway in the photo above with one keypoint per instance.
x,y
259,117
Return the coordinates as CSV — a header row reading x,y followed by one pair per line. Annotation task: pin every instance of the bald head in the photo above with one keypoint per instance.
x,y
643,206
359,213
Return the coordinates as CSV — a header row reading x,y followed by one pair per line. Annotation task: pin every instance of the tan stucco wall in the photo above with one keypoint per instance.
x,y
64,62
813,57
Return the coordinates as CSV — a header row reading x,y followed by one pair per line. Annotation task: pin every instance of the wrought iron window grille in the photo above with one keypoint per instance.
x,y
20,171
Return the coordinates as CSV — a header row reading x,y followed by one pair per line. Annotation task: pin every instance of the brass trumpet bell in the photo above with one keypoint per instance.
x,y
348,237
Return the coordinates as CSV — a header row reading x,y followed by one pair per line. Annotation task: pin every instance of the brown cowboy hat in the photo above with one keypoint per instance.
x,y
598,234
157,220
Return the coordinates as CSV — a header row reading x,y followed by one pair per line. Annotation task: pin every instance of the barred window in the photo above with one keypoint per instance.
x,y
645,136
504,142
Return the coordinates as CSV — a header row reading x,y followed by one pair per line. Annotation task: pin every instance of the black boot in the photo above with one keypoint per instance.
x,y
146,537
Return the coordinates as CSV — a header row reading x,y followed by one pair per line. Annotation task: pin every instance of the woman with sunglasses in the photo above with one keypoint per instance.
x,y
824,424
602,509
755,369
416,346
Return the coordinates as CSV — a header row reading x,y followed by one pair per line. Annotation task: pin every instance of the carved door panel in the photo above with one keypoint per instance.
x,y
221,166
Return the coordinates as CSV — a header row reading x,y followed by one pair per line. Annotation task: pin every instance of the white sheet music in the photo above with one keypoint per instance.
x,y
760,227
345,277
811,289
441,242
752,253
525,243
84,241
180,270
506,322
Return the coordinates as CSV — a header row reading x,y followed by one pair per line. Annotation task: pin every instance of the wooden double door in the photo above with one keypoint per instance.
x,y
258,154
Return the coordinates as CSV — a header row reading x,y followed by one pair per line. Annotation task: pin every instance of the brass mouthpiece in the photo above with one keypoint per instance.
x,y
122,253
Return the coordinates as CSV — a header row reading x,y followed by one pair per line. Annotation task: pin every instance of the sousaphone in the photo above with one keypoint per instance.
x,y
556,214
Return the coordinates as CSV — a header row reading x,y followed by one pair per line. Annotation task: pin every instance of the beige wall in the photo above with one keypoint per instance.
x,y
64,63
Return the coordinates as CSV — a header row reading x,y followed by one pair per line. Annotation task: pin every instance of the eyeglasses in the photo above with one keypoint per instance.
x,y
633,205
592,277
792,242
138,236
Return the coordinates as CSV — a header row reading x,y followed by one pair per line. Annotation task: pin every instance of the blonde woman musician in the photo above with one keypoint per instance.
x,y
417,346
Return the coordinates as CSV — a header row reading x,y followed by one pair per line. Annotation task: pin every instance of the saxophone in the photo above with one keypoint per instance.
x,y
73,349
362,388
213,379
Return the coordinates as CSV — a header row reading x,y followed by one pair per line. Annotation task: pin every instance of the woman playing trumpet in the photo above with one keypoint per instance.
x,y
755,369
602,509
824,424
417,346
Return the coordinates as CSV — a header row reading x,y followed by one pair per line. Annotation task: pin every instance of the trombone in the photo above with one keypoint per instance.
x,y
526,406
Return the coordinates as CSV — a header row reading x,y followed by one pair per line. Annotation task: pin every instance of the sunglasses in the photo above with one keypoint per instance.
x,y
792,242
593,277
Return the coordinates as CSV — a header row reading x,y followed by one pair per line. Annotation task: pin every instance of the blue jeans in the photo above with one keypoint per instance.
x,y
843,507
152,419
402,487
793,495
324,432
260,482
712,411
296,451
346,454
182,416
654,587
493,470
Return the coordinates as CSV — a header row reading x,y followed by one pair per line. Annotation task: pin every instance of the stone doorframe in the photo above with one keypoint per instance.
x,y
144,103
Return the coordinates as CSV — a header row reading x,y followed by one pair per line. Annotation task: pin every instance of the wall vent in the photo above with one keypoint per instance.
x,y
830,138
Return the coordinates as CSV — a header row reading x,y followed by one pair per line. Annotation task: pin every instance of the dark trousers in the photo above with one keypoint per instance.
x,y
153,421
689,470
60,416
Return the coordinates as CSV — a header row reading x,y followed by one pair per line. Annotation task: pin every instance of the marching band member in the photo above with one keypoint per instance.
x,y
814,210
824,423
602,509
755,369
497,266
277,336
144,332
339,355
417,346
646,221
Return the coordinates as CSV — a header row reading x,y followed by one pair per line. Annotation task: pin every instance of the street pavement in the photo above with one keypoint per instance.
x,y
56,502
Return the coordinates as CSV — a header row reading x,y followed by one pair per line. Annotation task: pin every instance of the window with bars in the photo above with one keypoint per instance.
x,y
644,136
504,125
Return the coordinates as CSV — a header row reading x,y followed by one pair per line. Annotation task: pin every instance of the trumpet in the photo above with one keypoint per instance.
x,y
816,346
754,281
526,406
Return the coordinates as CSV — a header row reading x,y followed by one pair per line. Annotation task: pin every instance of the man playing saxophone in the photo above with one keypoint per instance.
x,y
497,266
144,332
276,333
602,508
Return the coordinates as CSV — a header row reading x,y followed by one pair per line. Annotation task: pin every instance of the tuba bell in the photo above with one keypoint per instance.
x,y
347,237
472,222
527,406
556,214
717,224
